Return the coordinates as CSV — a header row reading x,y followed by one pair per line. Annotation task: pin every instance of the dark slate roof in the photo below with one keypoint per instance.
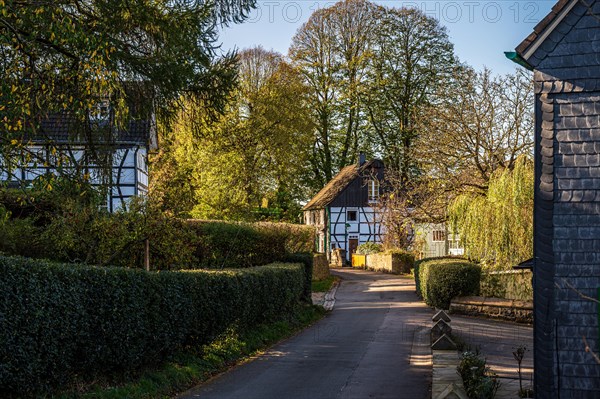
x,y
541,26
63,128
337,185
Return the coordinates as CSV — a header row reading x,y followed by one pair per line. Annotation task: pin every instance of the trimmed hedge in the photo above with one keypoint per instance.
x,y
438,280
58,321
222,245
298,238
307,259
234,245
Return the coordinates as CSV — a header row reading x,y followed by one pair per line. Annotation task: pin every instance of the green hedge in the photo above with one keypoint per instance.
x,y
438,280
224,245
81,233
306,259
297,237
58,321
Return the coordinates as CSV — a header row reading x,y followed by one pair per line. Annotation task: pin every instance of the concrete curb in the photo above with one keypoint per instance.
x,y
330,296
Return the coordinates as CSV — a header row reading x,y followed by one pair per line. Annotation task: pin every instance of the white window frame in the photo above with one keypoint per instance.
x,y
348,215
373,187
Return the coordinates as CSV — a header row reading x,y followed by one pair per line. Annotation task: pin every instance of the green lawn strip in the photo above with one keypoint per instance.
x,y
189,369
323,285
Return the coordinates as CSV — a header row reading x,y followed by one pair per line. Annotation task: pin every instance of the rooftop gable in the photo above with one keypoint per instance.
x,y
563,50
338,184
543,28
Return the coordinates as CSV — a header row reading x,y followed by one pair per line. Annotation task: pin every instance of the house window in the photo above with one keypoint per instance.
x,y
439,235
351,216
100,114
373,186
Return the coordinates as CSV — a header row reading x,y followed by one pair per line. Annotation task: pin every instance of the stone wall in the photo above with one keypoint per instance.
x,y
504,309
320,267
389,263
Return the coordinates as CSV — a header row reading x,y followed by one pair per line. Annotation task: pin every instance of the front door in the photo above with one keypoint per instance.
x,y
352,245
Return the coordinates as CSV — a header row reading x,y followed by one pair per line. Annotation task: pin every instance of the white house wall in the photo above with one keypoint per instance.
x,y
129,173
129,177
367,227
430,247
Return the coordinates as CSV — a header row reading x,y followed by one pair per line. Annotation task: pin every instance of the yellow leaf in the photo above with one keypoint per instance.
x,y
14,142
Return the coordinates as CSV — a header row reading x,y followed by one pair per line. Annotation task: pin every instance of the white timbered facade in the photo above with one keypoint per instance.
x,y
57,150
346,211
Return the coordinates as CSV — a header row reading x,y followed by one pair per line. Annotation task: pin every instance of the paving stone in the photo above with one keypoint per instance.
x,y
441,315
444,343
440,328
452,391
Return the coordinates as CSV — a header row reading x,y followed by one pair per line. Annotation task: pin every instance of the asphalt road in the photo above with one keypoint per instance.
x,y
362,349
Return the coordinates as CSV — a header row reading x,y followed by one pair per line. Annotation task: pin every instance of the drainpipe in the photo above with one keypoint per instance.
x,y
327,246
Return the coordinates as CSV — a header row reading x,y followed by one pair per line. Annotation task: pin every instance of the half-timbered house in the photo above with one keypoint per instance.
x,y
61,143
563,52
345,211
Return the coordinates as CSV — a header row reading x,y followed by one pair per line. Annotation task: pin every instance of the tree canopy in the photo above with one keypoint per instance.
x,y
249,158
242,135
371,72
68,56
498,228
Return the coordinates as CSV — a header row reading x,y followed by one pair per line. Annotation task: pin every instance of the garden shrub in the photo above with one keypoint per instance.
x,y
86,234
507,284
438,280
478,380
58,321
369,248
19,236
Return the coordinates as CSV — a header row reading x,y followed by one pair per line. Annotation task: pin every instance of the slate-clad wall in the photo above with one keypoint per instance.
x,y
576,242
567,200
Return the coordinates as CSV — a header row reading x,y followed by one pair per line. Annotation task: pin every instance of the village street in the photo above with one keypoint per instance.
x,y
361,350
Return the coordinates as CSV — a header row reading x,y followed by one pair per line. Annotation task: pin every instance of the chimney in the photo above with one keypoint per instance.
x,y
362,158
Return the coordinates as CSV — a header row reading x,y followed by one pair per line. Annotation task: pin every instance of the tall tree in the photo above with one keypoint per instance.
x,y
69,55
411,63
497,228
253,150
331,50
484,124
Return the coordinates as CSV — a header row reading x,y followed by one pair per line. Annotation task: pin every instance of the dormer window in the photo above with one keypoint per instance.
x,y
100,114
373,187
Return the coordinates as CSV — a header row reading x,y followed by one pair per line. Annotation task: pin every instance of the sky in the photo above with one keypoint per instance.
x,y
480,30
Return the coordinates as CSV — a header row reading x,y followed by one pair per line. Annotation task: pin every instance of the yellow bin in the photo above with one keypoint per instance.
x,y
359,260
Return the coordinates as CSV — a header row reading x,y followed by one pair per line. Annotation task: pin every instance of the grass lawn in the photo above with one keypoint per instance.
x,y
323,285
198,364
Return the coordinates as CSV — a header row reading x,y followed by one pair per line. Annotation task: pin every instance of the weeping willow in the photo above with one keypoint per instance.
x,y
497,228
